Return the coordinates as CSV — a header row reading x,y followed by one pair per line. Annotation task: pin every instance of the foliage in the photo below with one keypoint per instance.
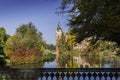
x,y
12,44
48,57
50,46
25,55
63,60
97,18
106,45
3,39
30,36
26,45
47,51
63,44
70,39
102,47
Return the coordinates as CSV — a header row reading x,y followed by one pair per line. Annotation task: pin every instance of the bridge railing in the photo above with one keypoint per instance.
x,y
60,74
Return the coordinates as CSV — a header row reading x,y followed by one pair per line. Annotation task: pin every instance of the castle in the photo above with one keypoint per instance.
x,y
81,46
59,33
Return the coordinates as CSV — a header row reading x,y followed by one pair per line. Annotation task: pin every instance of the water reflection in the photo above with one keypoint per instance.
x,y
92,61
46,64
50,64
76,62
81,62
36,65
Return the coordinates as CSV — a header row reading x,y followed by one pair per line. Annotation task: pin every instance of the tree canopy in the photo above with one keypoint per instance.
x,y
97,18
29,38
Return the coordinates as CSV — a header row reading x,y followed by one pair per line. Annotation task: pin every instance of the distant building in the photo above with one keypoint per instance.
x,y
59,33
83,45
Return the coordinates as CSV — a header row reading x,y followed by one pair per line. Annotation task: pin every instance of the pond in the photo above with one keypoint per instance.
x,y
46,64
76,62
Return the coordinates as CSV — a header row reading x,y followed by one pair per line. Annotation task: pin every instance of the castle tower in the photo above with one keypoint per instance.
x,y
58,37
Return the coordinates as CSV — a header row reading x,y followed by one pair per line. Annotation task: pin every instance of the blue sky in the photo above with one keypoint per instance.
x,y
41,13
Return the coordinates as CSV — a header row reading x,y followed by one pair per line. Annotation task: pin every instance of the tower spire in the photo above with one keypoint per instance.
x,y
58,27
58,23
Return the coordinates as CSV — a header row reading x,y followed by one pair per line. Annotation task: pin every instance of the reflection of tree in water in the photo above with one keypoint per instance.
x,y
2,57
35,65
62,60
112,62
95,61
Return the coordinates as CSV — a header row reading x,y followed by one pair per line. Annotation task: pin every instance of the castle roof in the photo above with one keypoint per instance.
x,y
59,28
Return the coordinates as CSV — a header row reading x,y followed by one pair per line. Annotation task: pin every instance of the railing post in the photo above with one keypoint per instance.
x,y
62,75
68,75
116,74
52,75
57,75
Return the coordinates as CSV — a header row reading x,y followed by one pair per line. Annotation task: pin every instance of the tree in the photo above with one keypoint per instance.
x,y
97,18
50,46
63,44
3,37
28,36
70,39
22,30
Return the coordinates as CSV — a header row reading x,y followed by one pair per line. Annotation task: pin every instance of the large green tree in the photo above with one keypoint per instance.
x,y
30,36
26,45
97,18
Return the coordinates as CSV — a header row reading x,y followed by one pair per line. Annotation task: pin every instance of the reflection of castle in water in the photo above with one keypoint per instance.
x,y
82,63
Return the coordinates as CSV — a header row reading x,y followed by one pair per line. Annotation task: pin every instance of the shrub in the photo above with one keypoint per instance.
x,y
25,55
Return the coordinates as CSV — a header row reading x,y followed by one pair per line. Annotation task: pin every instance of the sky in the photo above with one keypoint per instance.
x,y
42,13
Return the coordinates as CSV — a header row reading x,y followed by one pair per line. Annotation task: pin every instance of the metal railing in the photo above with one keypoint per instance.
x,y
60,74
